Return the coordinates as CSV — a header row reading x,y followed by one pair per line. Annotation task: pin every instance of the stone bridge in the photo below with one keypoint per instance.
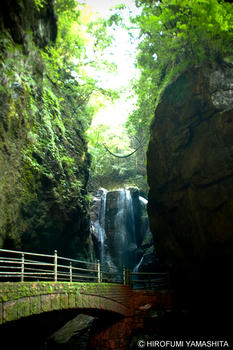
x,y
23,299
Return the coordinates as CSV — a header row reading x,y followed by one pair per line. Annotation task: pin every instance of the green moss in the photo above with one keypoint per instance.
x,y
27,298
11,311
35,305
23,308
43,158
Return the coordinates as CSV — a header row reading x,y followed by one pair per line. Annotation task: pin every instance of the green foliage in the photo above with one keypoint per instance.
x,y
181,30
109,171
70,60
175,34
46,109
39,4
67,90
139,120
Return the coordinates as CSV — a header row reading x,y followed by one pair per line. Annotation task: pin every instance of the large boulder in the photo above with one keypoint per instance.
x,y
190,175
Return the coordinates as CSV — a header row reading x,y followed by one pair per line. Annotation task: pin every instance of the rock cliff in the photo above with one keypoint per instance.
x,y
43,154
190,175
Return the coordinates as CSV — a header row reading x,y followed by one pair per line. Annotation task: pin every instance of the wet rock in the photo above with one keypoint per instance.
x,y
73,334
190,174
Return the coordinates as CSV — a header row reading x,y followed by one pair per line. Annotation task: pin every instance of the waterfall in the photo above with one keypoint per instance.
x,y
119,226
124,238
102,224
98,226
130,212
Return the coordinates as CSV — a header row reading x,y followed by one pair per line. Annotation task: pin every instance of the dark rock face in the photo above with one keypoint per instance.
x,y
190,174
43,154
21,16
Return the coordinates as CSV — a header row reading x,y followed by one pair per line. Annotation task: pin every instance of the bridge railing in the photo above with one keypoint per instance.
x,y
149,280
25,266
137,280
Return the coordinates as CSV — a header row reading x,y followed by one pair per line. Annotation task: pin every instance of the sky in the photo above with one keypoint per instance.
x,y
123,53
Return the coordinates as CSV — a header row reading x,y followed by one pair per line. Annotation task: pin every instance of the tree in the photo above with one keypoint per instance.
x,y
175,34
69,61
112,167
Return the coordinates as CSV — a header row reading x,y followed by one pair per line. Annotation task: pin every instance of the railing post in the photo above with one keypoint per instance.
x,y
128,277
55,265
22,267
70,271
124,276
98,271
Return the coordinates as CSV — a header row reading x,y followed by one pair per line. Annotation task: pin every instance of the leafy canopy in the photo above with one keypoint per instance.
x,y
81,38
175,34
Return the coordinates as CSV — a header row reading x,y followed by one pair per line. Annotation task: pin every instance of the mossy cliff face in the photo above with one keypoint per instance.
x,y
190,174
22,16
43,154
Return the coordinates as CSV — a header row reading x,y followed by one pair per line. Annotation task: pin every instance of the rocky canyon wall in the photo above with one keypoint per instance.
x,y
190,175
43,155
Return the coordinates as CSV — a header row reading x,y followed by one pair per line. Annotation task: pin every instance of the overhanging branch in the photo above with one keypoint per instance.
x,y
119,156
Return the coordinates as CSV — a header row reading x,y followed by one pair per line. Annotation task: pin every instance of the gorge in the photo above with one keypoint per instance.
x,y
61,190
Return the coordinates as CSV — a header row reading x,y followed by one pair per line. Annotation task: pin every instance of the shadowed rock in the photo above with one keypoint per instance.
x,y
190,174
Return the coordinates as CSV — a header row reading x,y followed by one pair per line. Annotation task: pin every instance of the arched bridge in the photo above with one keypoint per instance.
x,y
22,299
67,291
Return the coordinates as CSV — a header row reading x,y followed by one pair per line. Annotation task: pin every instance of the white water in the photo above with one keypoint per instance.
x,y
102,224
138,265
143,200
120,236
99,225
118,246
124,222
130,212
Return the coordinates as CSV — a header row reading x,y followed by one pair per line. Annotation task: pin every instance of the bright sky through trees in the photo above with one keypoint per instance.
x,y
122,53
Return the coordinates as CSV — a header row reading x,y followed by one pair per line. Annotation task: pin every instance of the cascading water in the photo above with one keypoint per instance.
x,y
124,238
136,268
98,226
102,224
119,226
130,213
